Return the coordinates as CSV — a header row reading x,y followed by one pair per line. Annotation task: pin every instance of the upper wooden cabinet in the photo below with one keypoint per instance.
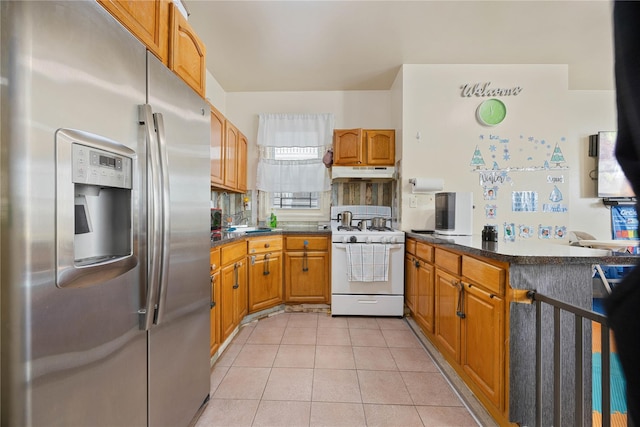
x,y
228,154
241,166
232,136
217,151
160,26
147,20
187,53
364,147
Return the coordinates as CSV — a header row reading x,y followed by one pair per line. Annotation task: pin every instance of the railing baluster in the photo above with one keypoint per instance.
x,y
538,305
579,386
557,368
580,315
606,376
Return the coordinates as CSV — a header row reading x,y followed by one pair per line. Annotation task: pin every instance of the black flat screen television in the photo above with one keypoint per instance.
x,y
612,184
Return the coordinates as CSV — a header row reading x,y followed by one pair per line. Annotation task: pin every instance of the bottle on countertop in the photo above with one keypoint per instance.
x,y
273,220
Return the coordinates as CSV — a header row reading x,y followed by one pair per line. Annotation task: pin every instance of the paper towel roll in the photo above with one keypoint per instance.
x,y
426,185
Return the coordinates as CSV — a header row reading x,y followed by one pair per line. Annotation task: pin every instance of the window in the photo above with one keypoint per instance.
x,y
291,176
295,200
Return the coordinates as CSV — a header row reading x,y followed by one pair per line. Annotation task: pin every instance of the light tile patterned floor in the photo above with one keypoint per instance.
x,y
309,369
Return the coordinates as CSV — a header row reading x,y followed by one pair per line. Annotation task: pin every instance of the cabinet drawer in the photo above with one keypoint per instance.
x,y
257,245
489,276
447,260
232,252
314,243
424,252
214,259
410,246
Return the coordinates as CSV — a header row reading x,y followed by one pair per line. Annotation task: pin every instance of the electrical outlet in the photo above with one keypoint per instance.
x,y
413,201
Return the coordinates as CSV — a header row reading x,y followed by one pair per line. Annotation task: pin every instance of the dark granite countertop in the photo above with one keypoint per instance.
x,y
286,230
532,251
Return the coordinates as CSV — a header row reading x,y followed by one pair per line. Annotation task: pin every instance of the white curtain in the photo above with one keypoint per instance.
x,y
291,149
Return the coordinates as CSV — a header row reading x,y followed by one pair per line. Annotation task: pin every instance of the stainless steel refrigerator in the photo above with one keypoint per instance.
x,y
104,157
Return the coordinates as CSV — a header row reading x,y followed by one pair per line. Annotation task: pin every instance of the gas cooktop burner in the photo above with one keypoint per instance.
x,y
348,228
380,229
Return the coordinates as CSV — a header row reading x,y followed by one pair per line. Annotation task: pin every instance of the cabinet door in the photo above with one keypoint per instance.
x,y
215,313
410,274
307,277
447,322
187,53
231,157
380,147
241,297
147,20
265,281
227,294
482,355
425,310
217,151
242,163
347,147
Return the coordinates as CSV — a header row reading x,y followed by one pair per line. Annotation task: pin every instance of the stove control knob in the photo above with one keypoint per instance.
x,y
367,240
392,240
345,239
353,239
384,240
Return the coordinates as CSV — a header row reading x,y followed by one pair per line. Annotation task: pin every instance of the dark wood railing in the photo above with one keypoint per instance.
x,y
580,315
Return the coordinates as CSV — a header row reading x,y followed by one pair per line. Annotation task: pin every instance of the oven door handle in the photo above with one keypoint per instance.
x,y
344,246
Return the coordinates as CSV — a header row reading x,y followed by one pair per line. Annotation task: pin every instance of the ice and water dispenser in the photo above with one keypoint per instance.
x,y
94,209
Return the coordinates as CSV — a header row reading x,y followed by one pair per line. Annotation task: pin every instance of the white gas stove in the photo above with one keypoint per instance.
x,y
367,274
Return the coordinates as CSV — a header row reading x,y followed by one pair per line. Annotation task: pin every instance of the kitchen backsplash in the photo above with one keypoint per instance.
x,y
362,193
232,204
342,193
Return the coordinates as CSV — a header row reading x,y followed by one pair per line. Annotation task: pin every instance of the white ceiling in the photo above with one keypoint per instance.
x,y
360,45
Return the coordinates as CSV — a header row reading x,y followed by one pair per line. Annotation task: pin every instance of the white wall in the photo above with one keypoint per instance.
x,y
545,110
426,98
589,112
352,109
215,94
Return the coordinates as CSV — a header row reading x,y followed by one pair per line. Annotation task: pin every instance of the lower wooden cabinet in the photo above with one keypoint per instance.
x,y
233,296
460,304
265,279
307,264
233,287
447,310
307,277
425,296
482,336
256,274
214,343
410,282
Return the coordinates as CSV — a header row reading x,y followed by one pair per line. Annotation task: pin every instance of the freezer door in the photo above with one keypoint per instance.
x,y
179,341
71,356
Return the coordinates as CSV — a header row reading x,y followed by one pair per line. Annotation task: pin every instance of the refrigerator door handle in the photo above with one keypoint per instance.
x,y
166,217
154,217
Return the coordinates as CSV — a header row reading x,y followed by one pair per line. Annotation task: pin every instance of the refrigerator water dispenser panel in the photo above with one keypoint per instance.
x,y
94,215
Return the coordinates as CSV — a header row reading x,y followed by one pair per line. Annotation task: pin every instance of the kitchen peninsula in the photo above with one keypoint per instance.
x,y
469,299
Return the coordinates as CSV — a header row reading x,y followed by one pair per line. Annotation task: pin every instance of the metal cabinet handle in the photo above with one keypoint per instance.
x,y
305,259
236,267
265,270
212,289
460,308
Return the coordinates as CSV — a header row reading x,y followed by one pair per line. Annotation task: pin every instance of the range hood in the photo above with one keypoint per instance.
x,y
363,172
